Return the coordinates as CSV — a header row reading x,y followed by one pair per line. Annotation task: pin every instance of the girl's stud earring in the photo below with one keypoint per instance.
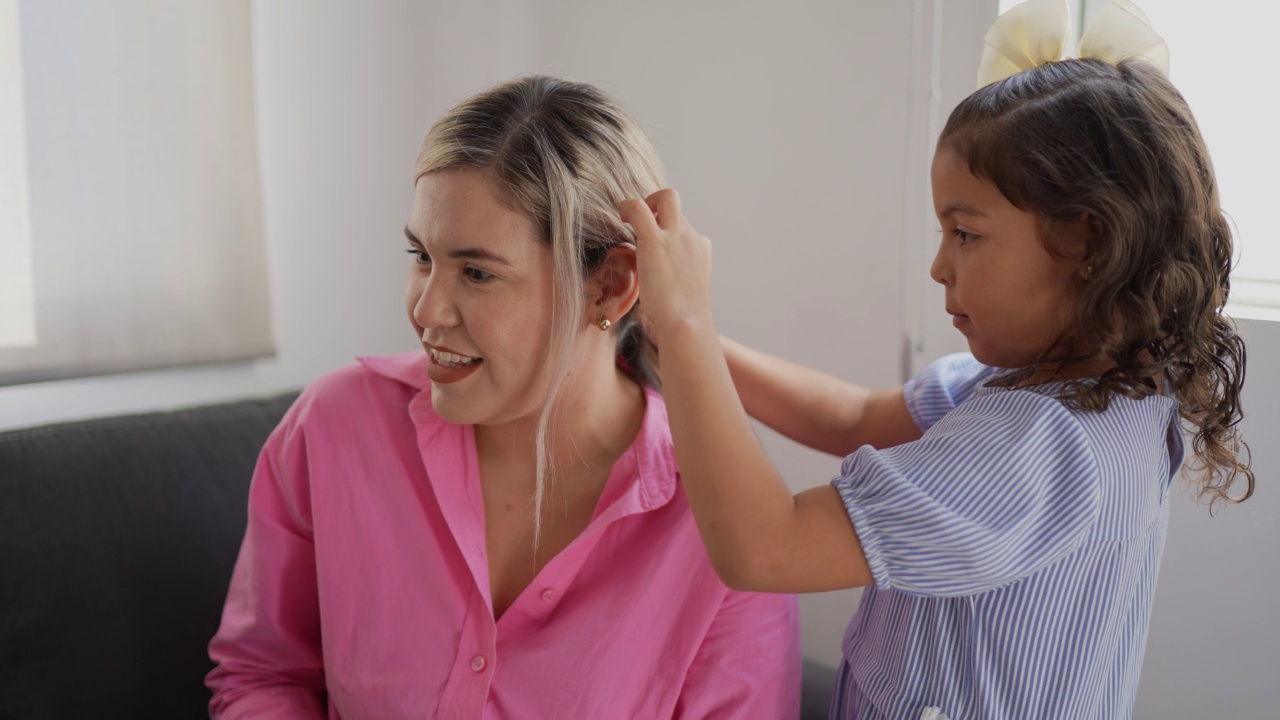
x,y
605,324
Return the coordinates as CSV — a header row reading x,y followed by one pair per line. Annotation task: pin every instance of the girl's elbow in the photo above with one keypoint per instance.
x,y
737,572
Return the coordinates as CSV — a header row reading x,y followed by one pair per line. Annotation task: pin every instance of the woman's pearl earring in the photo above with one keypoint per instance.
x,y
605,324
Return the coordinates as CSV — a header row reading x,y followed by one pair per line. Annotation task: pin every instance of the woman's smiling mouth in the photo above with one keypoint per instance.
x,y
450,359
445,367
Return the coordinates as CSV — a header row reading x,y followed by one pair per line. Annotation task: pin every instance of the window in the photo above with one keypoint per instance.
x,y
17,299
1221,55
1216,50
145,247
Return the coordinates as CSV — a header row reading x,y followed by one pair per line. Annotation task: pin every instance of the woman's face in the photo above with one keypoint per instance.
x,y
479,297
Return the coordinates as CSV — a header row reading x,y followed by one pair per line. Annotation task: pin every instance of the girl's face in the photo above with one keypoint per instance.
x,y
1007,294
479,297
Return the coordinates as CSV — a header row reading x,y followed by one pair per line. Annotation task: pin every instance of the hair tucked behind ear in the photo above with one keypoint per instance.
x,y
1118,145
566,155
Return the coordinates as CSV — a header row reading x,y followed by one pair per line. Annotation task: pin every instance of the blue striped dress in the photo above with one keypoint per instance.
x,y
1014,549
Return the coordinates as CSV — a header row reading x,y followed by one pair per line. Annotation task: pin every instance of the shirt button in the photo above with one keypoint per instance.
x,y
478,663
548,595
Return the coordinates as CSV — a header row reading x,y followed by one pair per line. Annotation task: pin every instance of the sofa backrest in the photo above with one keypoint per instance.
x,y
117,541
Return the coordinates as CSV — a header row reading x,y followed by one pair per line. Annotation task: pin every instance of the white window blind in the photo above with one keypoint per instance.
x,y
17,298
145,210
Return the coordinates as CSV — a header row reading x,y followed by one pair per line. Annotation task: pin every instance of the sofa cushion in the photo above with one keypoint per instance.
x,y
117,541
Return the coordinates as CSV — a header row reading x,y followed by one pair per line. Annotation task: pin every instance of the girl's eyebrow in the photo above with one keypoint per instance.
x,y
473,253
962,207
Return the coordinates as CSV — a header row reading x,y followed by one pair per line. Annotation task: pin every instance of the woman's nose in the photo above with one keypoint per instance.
x,y
434,306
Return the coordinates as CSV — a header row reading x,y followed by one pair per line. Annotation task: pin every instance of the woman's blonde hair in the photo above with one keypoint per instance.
x,y
566,155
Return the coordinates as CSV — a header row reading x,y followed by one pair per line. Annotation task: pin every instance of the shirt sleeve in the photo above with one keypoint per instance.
x,y
943,386
992,493
267,651
749,662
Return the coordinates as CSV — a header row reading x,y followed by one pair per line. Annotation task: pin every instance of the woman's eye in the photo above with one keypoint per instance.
x,y
964,236
419,256
477,275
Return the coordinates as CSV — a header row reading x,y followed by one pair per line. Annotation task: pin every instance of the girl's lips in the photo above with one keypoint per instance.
x,y
958,320
446,374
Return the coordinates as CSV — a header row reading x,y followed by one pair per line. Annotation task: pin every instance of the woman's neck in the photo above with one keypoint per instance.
x,y
598,417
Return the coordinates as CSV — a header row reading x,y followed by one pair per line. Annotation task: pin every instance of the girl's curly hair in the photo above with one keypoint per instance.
x,y
1118,145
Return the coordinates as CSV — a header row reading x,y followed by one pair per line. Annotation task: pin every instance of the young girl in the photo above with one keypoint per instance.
x,y
1007,507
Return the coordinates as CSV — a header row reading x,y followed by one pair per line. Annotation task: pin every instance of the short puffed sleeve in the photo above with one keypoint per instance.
x,y
999,488
943,386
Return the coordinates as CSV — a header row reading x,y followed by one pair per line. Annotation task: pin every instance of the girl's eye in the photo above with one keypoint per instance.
x,y
965,237
420,256
476,275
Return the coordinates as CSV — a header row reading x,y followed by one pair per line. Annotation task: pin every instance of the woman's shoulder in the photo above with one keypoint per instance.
x,y
370,385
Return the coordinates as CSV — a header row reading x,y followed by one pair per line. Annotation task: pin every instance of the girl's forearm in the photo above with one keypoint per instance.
x,y
813,408
735,491
758,536
808,406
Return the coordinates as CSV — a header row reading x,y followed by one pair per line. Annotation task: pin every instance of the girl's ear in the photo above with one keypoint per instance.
x,y
1087,234
615,285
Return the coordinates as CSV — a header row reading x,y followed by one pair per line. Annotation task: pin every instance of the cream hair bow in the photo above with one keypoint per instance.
x,y
1038,31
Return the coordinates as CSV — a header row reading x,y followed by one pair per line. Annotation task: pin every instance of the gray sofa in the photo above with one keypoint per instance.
x,y
117,540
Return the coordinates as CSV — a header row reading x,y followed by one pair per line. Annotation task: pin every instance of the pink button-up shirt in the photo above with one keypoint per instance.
x,y
362,587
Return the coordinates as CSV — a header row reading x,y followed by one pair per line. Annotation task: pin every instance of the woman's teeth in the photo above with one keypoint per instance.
x,y
449,359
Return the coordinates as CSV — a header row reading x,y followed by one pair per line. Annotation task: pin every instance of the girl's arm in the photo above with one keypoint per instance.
x,y
759,536
815,409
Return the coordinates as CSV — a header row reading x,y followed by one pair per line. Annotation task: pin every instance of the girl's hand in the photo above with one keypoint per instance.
x,y
674,264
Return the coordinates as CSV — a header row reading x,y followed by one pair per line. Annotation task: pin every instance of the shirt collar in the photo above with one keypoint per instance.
x,y
651,454
409,368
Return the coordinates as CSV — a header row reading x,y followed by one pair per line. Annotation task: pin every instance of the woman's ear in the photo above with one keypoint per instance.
x,y
615,286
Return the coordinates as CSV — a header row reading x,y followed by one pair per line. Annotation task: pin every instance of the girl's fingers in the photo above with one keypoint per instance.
x,y
638,215
666,206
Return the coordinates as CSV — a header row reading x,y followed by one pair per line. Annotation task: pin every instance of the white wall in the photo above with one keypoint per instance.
x,y
1214,647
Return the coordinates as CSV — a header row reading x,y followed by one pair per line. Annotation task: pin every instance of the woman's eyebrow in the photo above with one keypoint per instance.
x,y
473,253
479,254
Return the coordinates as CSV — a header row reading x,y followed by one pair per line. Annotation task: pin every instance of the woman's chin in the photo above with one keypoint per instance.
x,y
451,408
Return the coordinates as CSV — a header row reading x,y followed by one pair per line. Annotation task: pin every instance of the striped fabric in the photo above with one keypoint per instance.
x,y
1014,549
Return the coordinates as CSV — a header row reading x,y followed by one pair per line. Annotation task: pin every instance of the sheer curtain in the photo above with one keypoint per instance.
x,y
17,301
145,210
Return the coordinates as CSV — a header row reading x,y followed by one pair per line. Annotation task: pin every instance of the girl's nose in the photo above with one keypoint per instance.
x,y
434,307
940,269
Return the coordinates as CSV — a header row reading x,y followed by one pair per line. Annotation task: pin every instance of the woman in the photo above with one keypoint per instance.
x,y
494,528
